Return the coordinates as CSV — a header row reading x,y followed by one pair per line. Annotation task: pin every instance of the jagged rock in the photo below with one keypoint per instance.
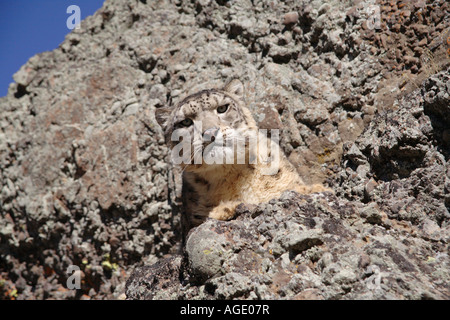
x,y
85,179
298,244
404,159
396,247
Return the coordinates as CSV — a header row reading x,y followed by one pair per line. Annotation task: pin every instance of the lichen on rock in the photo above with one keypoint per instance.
x,y
84,170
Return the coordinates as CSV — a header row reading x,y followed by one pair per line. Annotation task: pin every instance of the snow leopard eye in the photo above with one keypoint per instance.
x,y
223,108
186,122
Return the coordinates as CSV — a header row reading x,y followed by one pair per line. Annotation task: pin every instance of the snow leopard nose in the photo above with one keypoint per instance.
x,y
210,134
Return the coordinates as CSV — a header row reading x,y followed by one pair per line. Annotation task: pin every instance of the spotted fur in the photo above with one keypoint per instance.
x,y
215,190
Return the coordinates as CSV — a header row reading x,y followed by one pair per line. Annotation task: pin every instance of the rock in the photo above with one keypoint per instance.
x,y
290,18
158,277
85,180
403,159
430,229
299,247
372,214
207,252
370,187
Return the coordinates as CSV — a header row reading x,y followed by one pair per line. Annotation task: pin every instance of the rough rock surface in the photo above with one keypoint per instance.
x,y
362,105
302,247
385,236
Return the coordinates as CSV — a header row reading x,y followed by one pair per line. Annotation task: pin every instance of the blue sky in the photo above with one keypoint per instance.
x,y
28,27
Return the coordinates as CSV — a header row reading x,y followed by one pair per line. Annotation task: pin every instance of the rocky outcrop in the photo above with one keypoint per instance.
x,y
402,160
385,236
302,247
85,180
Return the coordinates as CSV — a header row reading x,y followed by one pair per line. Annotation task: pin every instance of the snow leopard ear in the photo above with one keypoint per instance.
x,y
235,87
162,116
